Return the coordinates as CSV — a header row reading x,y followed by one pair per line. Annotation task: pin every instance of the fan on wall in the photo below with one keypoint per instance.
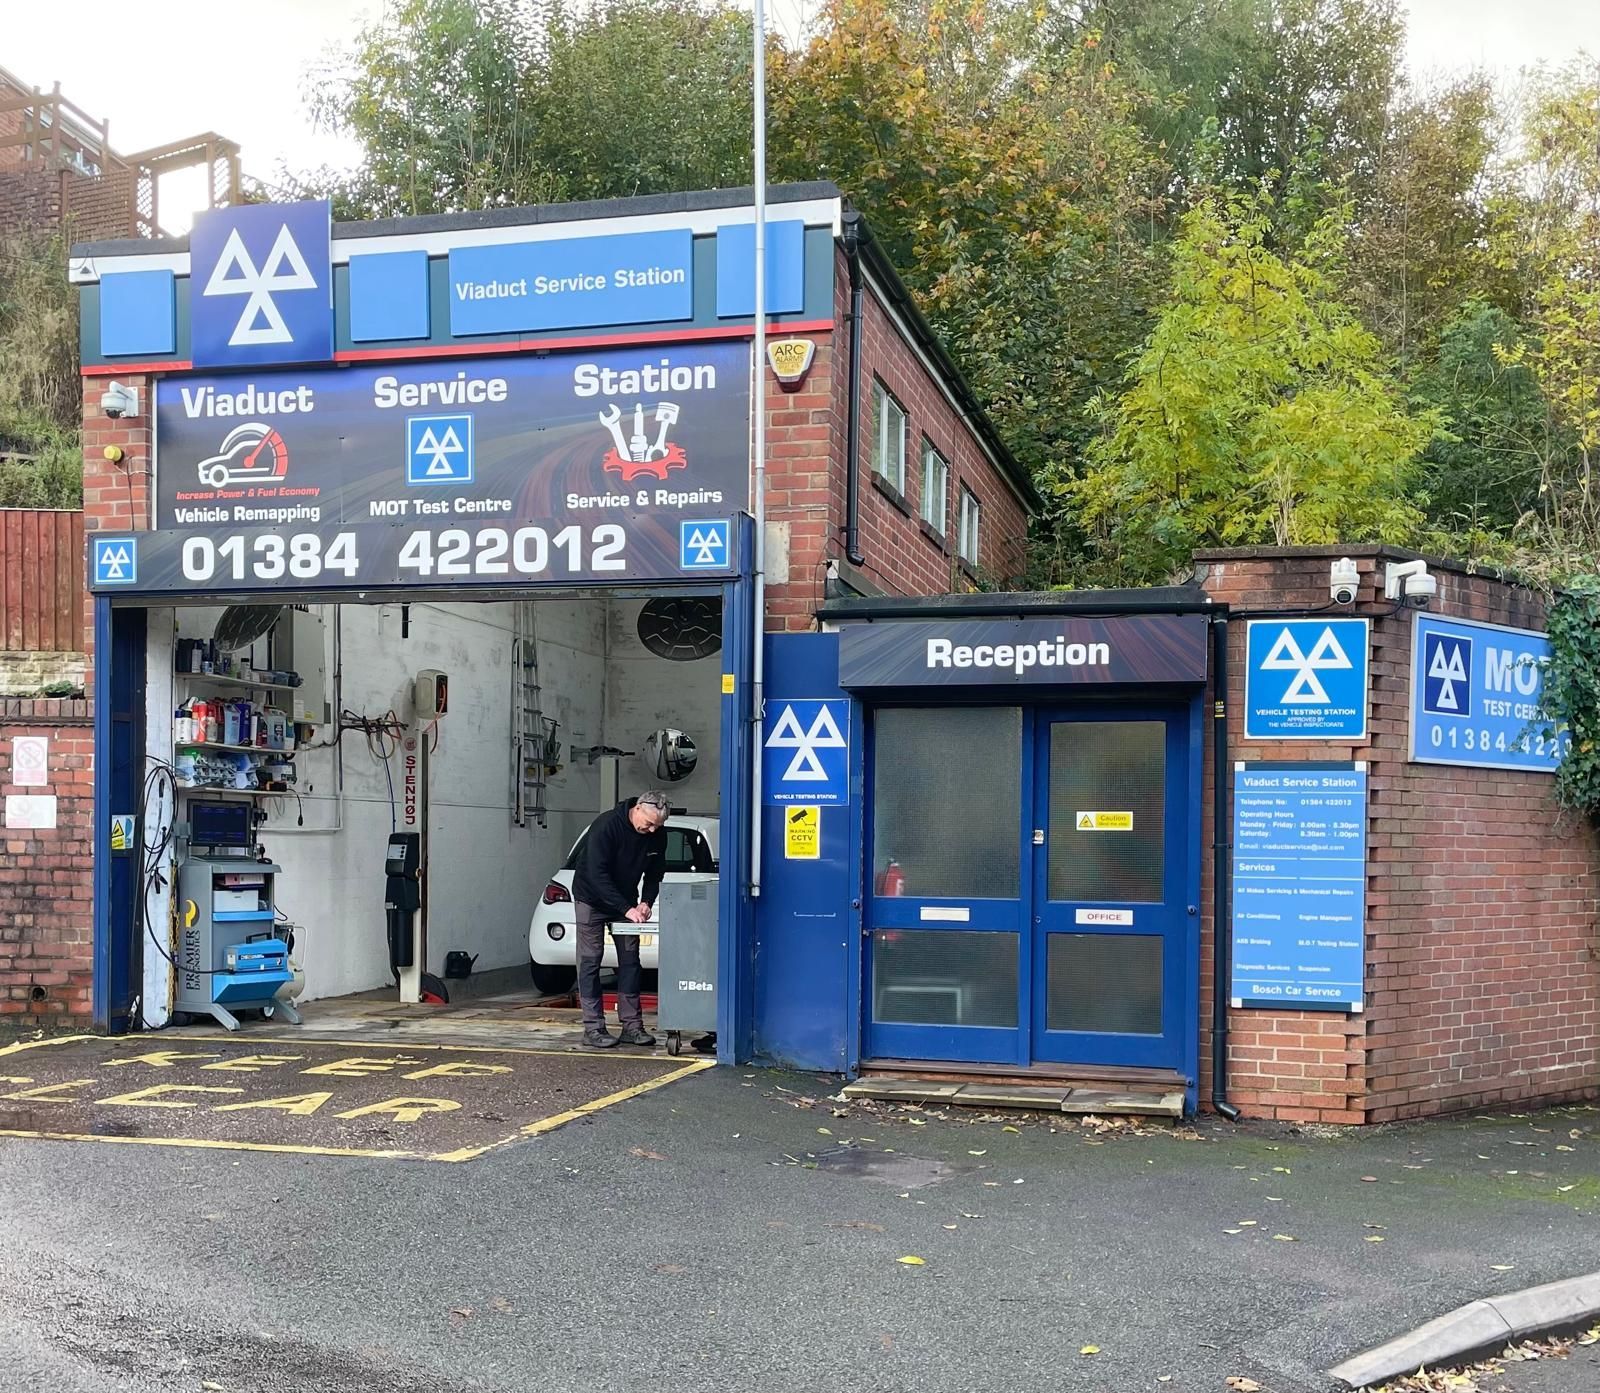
x,y
681,628
239,626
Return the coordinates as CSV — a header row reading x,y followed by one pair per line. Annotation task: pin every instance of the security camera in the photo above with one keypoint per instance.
x,y
1343,581
118,401
1410,582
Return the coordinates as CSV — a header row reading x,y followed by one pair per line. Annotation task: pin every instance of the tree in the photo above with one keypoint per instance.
x,y
467,104
1260,410
41,464
1547,233
1484,473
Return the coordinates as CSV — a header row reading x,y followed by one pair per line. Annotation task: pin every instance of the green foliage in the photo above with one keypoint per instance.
x,y
1487,468
40,461
1571,693
1260,410
467,104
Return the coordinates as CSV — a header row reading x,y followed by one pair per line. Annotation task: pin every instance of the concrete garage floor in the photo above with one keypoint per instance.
x,y
740,1229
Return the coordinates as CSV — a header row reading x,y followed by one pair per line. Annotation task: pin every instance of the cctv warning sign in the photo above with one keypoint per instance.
x,y
802,834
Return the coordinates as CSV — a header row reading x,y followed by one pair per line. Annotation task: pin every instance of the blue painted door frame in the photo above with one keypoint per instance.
x,y
1176,1047
119,725
1173,917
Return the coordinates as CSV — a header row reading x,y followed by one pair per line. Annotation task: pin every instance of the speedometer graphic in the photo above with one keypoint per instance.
x,y
249,454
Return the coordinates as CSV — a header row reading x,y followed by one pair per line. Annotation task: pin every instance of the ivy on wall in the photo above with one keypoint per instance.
x,y
1572,693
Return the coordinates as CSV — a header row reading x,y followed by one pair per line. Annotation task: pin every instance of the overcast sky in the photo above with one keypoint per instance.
x,y
187,66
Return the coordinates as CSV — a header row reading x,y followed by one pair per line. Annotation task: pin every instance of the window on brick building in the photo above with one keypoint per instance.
x,y
935,487
971,517
888,437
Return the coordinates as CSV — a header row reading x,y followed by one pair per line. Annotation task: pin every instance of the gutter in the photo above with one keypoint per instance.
x,y
854,228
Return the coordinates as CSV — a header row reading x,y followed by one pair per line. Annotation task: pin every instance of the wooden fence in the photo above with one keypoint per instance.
x,y
42,580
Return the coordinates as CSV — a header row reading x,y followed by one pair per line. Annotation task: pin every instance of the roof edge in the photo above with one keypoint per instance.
x,y
522,215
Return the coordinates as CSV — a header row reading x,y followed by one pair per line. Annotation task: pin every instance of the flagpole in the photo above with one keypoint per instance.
x,y
759,406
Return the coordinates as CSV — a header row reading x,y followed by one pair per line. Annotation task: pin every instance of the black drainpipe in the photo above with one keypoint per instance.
x,y
852,418
1221,869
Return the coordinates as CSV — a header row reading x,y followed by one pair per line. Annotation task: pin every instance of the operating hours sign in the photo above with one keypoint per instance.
x,y
1475,697
1299,885
519,470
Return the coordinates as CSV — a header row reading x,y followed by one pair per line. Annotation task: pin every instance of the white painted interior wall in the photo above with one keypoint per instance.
x,y
598,681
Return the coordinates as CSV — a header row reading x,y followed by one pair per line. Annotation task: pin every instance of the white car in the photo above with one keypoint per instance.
x,y
692,856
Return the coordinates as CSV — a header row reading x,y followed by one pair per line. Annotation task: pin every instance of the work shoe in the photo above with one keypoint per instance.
x,y
705,1044
636,1035
600,1039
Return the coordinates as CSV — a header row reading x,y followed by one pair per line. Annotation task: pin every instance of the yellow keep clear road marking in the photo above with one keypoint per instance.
x,y
403,1109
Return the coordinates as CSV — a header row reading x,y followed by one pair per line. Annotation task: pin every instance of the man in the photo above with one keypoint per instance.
x,y
618,877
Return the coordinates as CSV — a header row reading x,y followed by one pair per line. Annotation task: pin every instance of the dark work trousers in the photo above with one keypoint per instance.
x,y
591,949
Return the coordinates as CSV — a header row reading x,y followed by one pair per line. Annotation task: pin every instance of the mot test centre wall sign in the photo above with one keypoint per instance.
x,y
623,464
1299,885
1306,679
1475,696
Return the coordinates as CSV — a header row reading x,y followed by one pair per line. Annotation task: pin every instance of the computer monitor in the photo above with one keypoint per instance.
x,y
221,826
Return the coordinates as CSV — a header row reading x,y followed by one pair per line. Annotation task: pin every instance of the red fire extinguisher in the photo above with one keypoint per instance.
x,y
892,880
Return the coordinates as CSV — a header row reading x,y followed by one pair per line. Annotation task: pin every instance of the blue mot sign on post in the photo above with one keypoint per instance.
x,y
1299,885
1306,679
1475,691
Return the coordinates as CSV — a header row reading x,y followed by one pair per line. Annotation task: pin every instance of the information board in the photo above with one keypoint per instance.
x,y
1475,692
1299,885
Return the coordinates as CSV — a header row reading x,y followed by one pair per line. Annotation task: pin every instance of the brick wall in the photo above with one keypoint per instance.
x,y
806,476
1482,983
46,875
46,903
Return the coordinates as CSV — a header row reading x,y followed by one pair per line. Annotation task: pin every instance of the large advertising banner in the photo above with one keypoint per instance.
x,y
1299,885
620,465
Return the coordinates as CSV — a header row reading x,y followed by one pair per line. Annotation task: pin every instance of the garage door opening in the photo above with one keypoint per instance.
x,y
317,729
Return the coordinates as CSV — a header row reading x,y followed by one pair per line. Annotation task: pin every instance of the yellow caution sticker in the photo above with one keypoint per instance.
x,y
802,834
121,832
1105,822
727,684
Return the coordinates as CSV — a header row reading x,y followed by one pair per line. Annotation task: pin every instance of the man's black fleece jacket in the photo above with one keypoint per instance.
x,y
615,858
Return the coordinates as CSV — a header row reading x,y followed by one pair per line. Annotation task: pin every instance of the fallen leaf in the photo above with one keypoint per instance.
x,y
499,1303
1163,1378
992,1184
1370,1179
916,1122
1244,1385
1275,1199
211,1387
823,1131
950,1226
1285,1238
1562,1189
672,1269
1501,1266
644,1155
886,1340
1247,1223
978,1153
1017,1181
1090,1349
1283,1170
1374,1226
1010,1129
1233,1230
1562,1146
912,1261
1374,1238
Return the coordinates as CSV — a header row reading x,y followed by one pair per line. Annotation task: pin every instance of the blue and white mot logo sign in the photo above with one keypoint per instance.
x,y
261,285
1475,696
807,753
1306,679
439,450
115,561
703,546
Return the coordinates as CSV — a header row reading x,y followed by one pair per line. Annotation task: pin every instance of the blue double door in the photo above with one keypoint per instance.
x,y
1033,894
